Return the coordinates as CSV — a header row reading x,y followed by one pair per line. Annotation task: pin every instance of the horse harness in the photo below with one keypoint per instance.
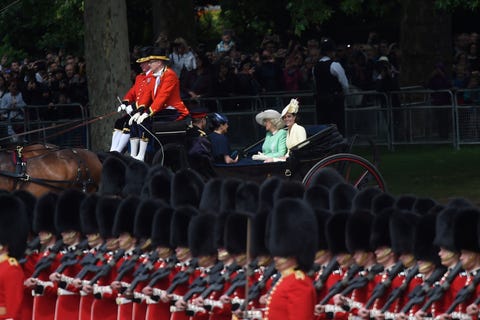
x,y
21,175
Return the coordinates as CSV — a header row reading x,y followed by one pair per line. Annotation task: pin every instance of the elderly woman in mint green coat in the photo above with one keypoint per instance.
x,y
275,144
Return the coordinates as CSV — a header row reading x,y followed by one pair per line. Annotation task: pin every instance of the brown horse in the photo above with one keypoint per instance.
x,y
48,168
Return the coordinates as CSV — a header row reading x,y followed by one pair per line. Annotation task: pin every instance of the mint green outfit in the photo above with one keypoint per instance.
x,y
275,145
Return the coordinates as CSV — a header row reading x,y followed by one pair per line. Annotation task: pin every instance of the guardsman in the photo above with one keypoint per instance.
x,y
41,288
292,243
67,223
112,179
13,239
121,131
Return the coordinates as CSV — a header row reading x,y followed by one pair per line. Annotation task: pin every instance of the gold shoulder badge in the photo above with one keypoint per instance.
x,y
13,261
299,275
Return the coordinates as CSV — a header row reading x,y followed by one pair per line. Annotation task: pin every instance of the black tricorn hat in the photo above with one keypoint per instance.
x,y
327,177
259,225
466,229
289,189
158,183
29,201
364,198
135,177
201,235
423,248
423,205
341,197
380,236
142,228
105,212
246,197
235,233
88,218
381,202
402,230
161,227
267,191
293,232
358,230
67,212
444,229
14,225
125,216
187,188
335,232
405,202
44,214
211,196
229,193
113,176
179,226
318,197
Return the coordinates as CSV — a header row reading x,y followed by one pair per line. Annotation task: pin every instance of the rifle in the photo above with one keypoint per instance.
x,y
70,258
218,284
419,292
332,266
32,246
89,261
105,268
46,262
255,289
362,281
398,291
337,287
437,292
162,273
128,265
380,288
465,293
180,278
237,282
143,272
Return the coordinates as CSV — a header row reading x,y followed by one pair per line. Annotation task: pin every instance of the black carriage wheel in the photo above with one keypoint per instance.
x,y
355,169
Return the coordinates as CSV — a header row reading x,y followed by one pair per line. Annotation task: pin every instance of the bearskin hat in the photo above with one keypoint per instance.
x,y
423,248
235,232
335,232
125,216
364,198
135,177
179,226
246,199
293,232
201,235
444,231
259,225
159,180
105,212
44,213
289,189
423,205
186,189
211,196
112,177
88,218
402,230
14,225
358,230
67,212
405,202
341,196
322,217
327,177
161,227
380,236
382,202
29,201
228,194
267,191
318,197
466,229
142,228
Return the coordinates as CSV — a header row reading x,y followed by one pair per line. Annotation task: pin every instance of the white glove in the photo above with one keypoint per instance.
x,y
121,107
259,156
142,117
129,109
133,118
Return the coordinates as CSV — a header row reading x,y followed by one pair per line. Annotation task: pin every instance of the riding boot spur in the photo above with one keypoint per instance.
x,y
123,141
143,149
134,142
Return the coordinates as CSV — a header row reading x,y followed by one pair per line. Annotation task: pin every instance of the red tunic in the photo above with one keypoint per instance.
x,y
138,89
159,310
11,288
292,298
440,307
28,269
104,306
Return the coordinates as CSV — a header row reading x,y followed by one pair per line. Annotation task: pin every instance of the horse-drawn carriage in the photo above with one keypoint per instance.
x,y
324,147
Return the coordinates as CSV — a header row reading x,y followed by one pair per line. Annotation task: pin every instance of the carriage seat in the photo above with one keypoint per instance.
x,y
170,132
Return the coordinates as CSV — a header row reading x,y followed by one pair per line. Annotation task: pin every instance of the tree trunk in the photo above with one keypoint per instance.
x,y
175,18
108,64
425,39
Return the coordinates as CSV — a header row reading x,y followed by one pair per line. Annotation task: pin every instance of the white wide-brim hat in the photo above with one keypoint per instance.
x,y
267,114
292,107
